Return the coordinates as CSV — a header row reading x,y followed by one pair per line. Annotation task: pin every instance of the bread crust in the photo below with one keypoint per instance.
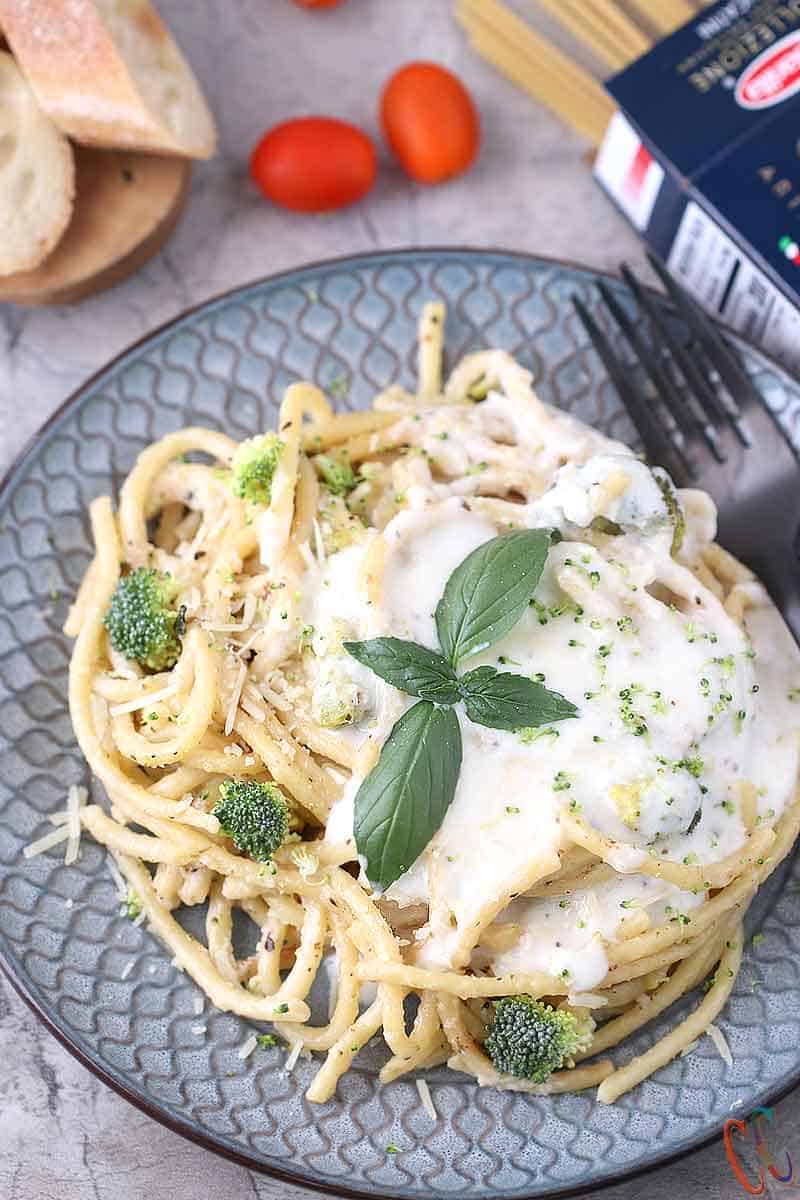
x,y
81,79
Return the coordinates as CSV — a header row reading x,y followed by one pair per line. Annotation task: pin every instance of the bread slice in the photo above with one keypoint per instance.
x,y
109,73
37,175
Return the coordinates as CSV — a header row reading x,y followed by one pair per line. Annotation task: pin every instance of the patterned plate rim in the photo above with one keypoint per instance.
x,y
219,1144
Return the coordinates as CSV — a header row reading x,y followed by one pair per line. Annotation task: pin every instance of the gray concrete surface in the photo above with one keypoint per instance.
x,y
63,1134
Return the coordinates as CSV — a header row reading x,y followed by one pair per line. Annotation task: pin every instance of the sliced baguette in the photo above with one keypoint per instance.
x,y
109,73
37,175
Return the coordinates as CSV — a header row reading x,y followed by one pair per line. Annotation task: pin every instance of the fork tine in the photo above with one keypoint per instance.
x,y
729,372
675,413
659,446
700,397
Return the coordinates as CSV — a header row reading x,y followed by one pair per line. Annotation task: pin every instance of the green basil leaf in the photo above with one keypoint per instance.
x,y
403,800
505,701
489,591
411,668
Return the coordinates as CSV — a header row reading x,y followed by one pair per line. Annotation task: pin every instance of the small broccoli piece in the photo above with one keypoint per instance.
x,y
253,468
141,621
480,388
602,524
254,815
337,475
337,714
627,798
530,1039
338,526
336,699
674,509
133,905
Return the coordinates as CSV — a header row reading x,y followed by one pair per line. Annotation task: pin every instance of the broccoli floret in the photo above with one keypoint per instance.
x,y
338,476
253,468
141,621
254,815
530,1039
133,905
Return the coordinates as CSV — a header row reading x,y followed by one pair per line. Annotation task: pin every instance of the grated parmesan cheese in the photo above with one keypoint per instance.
x,y
188,550
253,638
586,1000
336,775
130,706
234,701
721,1043
126,970
248,613
253,709
199,1005
276,700
319,545
202,534
426,1099
292,1057
47,842
247,1047
198,1030
116,875
76,799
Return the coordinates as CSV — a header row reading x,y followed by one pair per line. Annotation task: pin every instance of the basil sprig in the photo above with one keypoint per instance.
x,y
402,802
409,667
488,593
505,701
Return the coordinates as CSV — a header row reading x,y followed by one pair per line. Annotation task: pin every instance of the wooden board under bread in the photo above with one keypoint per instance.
x,y
126,206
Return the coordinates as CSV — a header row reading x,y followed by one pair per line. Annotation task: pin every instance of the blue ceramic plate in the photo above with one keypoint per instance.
x,y
106,988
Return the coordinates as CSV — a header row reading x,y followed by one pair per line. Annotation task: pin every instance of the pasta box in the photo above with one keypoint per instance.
x,y
704,159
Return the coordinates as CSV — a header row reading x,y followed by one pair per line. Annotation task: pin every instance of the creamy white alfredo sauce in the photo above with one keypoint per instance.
x,y
680,712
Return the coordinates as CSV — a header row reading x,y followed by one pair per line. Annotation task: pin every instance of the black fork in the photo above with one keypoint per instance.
x,y
700,416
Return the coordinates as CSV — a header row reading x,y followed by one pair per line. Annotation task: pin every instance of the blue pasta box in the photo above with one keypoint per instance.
x,y
703,158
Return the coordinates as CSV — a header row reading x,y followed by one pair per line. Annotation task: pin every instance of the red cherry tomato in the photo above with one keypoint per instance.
x,y
430,122
313,164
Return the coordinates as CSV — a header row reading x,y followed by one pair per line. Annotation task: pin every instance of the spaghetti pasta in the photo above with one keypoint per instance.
x,y
600,866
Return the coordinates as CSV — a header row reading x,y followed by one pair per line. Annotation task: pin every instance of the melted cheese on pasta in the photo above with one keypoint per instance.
x,y
683,716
